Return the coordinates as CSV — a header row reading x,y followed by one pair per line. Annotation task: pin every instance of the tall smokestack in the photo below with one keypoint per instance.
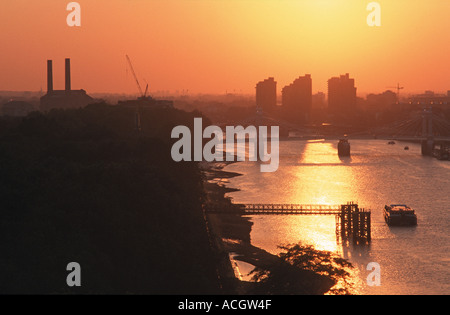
x,y
49,76
68,87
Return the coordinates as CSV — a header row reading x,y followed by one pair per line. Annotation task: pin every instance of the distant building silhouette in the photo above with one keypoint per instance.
x,y
67,98
430,98
146,102
266,94
17,108
297,98
341,95
319,100
381,101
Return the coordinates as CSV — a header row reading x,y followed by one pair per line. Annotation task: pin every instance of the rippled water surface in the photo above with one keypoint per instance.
x,y
413,260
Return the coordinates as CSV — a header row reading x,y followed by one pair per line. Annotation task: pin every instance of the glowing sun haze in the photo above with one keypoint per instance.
x,y
210,46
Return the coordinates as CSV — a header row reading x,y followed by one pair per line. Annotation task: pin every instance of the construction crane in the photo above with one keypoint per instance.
x,y
398,87
137,116
143,95
146,90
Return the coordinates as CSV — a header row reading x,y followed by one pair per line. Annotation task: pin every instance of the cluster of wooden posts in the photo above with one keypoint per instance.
x,y
353,223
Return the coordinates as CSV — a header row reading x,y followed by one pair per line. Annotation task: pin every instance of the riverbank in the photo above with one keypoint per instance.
x,y
230,238
230,233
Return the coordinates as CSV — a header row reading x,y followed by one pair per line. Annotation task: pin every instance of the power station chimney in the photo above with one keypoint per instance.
x,y
68,87
49,76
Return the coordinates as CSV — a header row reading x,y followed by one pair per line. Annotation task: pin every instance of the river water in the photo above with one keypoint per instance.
x,y
412,260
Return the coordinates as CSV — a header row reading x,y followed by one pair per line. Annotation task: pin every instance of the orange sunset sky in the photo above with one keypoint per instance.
x,y
213,46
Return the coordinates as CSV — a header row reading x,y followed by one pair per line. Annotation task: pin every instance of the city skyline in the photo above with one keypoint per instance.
x,y
213,47
251,93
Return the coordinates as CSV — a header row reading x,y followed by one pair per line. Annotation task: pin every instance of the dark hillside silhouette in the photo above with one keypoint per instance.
x,y
81,185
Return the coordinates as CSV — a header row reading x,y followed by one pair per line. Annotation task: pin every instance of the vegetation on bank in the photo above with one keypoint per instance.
x,y
301,269
82,186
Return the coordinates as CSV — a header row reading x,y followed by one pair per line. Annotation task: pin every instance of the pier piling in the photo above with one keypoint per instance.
x,y
353,223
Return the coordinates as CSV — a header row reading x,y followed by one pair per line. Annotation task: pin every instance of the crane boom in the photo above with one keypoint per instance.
x,y
134,74
398,87
146,90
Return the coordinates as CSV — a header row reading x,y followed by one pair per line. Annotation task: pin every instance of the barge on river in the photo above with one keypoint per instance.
x,y
399,215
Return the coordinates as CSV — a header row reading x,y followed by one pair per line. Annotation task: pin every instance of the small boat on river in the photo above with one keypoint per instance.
x,y
343,147
399,215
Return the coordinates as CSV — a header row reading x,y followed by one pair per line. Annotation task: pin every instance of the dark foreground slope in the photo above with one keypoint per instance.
x,y
82,186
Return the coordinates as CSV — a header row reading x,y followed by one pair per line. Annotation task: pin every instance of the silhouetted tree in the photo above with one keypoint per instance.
x,y
302,269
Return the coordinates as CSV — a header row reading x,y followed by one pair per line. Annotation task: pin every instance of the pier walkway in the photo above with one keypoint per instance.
x,y
280,209
351,221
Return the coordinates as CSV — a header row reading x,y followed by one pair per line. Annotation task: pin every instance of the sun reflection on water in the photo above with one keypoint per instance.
x,y
322,179
319,177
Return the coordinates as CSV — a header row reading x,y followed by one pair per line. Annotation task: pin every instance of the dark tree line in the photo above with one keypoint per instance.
x,y
83,186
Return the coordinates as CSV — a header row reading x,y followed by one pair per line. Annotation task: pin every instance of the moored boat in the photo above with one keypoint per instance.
x,y
343,147
399,215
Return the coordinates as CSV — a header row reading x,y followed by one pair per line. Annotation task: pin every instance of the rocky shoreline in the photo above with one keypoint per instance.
x,y
230,232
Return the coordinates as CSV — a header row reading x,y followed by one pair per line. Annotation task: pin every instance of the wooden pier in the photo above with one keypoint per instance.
x,y
352,223
278,209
